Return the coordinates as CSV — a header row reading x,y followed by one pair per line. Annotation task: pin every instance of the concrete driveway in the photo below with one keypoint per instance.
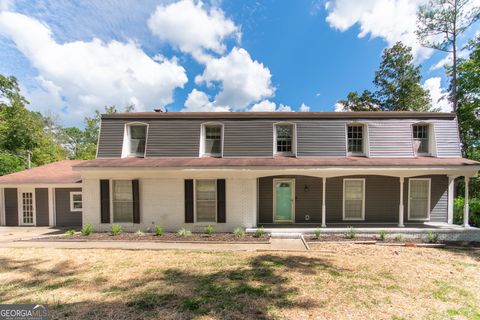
x,y
10,234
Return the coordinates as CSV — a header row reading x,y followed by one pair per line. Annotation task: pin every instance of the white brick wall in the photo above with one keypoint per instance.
x,y
162,203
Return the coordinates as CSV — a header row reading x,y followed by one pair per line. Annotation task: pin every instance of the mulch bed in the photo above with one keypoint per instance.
x,y
341,238
166,237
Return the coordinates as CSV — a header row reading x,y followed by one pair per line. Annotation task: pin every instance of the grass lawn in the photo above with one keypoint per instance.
x,y
340,282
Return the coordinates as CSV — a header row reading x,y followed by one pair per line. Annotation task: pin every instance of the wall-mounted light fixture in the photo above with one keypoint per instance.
x,y
306,189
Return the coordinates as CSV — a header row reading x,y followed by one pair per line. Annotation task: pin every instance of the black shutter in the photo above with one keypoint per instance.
x,y
189,201
136,201
105,201
221,208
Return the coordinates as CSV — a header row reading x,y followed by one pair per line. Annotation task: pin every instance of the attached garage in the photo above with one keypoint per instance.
x,y
49,195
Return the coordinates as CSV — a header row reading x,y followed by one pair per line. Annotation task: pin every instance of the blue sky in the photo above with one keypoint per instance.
x,y
74,57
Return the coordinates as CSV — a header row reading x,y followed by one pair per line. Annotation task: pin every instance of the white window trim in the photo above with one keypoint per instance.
x,y
363,199
206,223
432,142
72,208
20,208
429,197
112,217
365,140
275,181
294,140
126,140
203,136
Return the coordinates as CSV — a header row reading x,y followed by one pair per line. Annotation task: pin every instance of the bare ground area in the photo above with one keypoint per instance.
x,y
339,281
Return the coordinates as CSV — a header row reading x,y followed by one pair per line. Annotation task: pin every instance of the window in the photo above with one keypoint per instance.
x,y
418,199
421,139
137,136
206,200
122,200
212,145
353,199
76,203
355,139
284,139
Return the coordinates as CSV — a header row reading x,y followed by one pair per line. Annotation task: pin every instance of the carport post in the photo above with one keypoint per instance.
x,y
400,206
324,182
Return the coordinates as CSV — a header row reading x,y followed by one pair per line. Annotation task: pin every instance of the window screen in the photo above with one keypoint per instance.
x,y
355,138
206,200
122,201
420,138
353,199
284,138
213,140
419,198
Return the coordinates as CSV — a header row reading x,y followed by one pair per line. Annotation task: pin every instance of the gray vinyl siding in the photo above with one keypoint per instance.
x,y
321,139
41,206
438,198
306,202
65,217
254,137
11,206
381,199
390,139
447,138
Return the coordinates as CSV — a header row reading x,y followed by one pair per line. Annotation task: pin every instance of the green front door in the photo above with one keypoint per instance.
x,y
283,206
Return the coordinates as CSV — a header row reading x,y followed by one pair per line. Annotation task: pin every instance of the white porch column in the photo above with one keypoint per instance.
x,y
51,207
400,206
451,186
466,210
324,208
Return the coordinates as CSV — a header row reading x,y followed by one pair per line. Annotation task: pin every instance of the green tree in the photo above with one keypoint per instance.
x,y
397,85
398,81
439,26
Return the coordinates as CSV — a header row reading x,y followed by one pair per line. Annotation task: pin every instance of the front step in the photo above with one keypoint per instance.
x,y
285,235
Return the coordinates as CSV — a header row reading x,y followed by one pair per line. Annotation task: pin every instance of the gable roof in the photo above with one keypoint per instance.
x,y
59,172
282,115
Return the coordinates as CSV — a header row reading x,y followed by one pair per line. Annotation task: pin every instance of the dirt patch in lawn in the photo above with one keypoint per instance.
x,y
340,281
166,237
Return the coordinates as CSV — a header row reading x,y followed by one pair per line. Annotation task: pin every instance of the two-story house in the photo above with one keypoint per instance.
x,y
271,169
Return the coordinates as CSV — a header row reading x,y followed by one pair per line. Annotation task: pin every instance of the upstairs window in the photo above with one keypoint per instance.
x,y
421,139
355,137
284,137
136,137
212,144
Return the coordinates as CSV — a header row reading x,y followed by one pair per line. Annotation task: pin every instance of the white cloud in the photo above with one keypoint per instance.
x,y
447,60
264,106
6,5
243,81
89,75
304,108
191,28
284,108
391,20
339,107
198,101
438,95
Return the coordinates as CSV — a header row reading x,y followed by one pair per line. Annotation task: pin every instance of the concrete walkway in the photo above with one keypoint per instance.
x,y
9,234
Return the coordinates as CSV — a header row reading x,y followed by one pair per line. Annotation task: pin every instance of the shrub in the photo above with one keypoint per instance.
x,y
184,232
116,229
351,233
239,232
87,229
432,237
209,230
70,232
158,230
317,233
259,233
474,207
399,237
139,233
382,235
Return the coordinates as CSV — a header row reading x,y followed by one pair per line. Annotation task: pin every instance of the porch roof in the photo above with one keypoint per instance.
x,y
59,172
289,162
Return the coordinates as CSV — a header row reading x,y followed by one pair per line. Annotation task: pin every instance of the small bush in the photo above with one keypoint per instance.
x,y
239,232
432,237
158,230
382,235
259,233
351,233
116,229
87,229
209,230
317,233
70,232
399,237
139,233
184,233
474,208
